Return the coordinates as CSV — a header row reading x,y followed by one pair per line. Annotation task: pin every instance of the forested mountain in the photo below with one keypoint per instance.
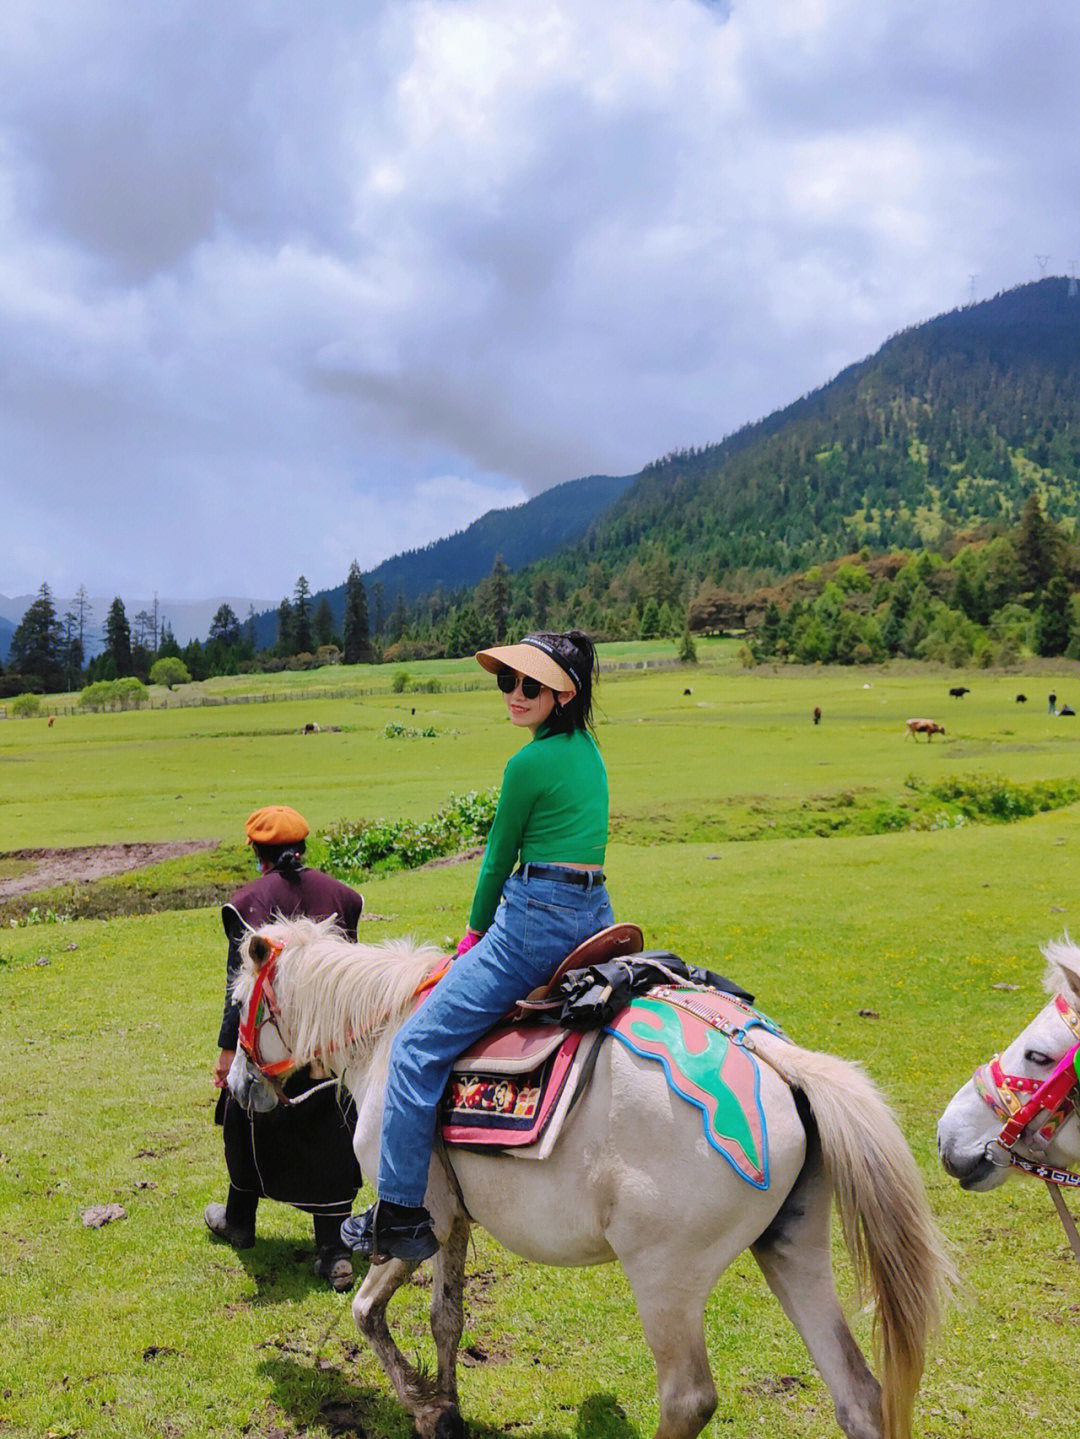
x,y
924,503
951,424
520,534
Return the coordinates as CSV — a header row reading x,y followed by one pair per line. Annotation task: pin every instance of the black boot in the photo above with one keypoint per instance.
x,y
220,1221
391,1231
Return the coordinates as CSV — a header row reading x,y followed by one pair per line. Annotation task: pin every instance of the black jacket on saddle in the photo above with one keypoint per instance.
x,y
591,997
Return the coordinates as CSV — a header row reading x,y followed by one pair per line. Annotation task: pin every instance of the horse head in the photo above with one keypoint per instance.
x,y
264,1056
1023,1102
310,997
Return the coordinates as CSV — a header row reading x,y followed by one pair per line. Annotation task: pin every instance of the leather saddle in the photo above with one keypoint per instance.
x,y
521,1043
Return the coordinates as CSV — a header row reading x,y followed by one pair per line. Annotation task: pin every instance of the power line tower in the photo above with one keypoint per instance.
x,y
1074,290
972,290
1042,261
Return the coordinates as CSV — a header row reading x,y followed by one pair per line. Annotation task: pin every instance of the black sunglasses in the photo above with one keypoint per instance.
x,y
508,681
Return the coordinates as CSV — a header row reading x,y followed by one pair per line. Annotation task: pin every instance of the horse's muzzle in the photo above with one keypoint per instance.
x,y
248,1087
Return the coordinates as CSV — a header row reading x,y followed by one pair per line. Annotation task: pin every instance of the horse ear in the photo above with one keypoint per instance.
x,y
1071,976
1064,956
260,949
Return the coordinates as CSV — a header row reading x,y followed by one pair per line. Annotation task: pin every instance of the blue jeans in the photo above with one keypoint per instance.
x,y
537,924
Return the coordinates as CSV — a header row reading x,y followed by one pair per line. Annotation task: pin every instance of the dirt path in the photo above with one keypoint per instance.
x,y
53,867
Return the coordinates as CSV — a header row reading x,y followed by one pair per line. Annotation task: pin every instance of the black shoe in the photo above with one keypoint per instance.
x,y
401,1231
335,1266
217,1223
358,1233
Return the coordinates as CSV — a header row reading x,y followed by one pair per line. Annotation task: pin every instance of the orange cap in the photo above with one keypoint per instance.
x,y
276,824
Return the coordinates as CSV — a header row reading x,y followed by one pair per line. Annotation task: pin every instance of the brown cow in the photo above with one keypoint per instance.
x,y
925,726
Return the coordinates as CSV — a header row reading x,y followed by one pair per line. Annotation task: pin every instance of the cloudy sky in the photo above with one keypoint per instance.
x,y
282,284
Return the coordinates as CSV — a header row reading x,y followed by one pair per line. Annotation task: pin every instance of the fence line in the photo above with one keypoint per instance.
x,y
68,706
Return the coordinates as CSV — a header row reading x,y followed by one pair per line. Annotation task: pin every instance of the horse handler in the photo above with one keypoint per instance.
x,y
299,1154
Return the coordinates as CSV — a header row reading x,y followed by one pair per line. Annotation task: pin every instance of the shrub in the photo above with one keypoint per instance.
x,y
168,671
400,683
399,731
24,706
355,845
100,695
995,800
130,692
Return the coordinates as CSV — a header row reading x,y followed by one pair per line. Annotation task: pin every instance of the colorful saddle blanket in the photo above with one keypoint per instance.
x,y
696,1036
506,1092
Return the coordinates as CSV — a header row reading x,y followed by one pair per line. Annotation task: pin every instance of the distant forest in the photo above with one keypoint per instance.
x,y
923,503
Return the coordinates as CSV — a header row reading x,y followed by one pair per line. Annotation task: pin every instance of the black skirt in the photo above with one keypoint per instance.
x,y
300,1155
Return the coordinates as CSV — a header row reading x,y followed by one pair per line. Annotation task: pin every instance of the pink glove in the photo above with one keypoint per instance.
x,y
466,942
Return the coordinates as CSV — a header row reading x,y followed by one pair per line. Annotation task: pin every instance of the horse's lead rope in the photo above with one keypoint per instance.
x,y
1068,1223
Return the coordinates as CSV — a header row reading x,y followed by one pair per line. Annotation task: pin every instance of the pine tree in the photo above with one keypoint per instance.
x,y
285,645
118,638
356,637
225,627
36,644
303,639
378,607
1037,544
650,619
84,611
541,601
324,622
493,597
398,619
1053,622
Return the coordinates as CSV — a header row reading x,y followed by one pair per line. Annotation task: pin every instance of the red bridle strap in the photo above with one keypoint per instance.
x,y
262,993
1050,1097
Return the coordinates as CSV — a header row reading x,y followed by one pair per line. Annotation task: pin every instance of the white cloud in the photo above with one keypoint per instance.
x,y
261,283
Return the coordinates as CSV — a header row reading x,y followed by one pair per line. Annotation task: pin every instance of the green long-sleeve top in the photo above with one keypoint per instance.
x,y
553,809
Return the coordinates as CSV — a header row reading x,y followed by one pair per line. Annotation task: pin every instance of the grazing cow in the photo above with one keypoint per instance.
x,y
311,728
687,692
927,727
959,691
817,714
52,721
1021,699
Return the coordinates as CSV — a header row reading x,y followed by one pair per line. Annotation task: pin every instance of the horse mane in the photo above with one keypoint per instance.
x,y
1062,968
342,1001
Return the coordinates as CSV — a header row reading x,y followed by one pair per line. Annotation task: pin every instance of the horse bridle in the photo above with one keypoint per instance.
x,y
1055,1097
262,1010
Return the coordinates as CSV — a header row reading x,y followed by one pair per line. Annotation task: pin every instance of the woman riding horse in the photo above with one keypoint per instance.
x,y
552,821
301,1155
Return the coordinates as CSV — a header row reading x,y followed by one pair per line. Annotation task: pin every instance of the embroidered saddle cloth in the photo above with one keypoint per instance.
x,y
521,1103
513,1089
696,1036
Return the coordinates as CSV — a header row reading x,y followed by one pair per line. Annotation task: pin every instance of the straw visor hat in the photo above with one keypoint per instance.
x,y
534,657
276,824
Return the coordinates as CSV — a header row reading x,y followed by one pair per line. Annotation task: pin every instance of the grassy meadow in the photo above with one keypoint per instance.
x,y
148,1327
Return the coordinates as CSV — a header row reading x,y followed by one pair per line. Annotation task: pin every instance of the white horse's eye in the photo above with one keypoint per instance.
x,y
1036,1056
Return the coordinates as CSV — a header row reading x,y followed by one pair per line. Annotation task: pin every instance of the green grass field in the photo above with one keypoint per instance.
x,y
147,1327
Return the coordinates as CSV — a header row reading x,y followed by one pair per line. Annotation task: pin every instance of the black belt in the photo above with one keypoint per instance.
x,y
563,874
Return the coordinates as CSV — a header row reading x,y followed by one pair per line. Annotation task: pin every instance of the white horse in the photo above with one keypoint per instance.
x,y
631,1179
1017,1112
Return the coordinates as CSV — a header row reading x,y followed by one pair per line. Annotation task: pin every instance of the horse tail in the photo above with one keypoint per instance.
x,y
894,1243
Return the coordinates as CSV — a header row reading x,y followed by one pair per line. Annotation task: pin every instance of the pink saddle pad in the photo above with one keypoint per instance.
x,y
508,1107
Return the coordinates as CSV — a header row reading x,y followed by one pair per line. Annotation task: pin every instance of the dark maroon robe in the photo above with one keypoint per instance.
x,y
301,1156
